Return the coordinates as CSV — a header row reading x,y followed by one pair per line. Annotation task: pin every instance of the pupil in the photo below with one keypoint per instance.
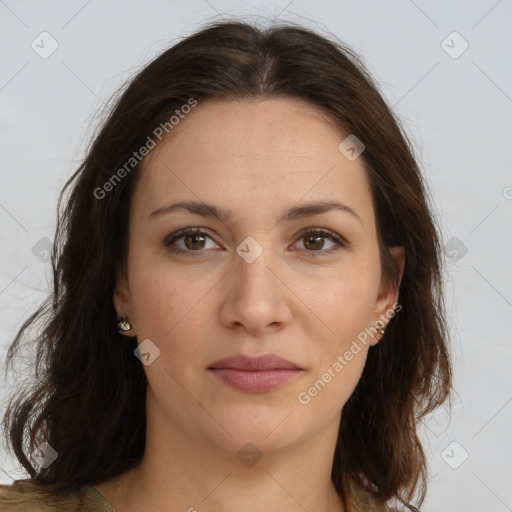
x,y
193,237
317,245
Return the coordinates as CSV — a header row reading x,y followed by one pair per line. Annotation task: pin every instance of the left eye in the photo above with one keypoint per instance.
x,y
314,238
195,240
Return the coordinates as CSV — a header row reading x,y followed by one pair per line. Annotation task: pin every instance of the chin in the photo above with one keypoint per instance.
x,y
267,429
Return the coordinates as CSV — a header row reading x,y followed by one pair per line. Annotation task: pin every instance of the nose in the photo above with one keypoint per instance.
x,y
257,298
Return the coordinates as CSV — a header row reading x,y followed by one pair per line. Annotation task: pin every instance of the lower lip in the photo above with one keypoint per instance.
x,y
255,381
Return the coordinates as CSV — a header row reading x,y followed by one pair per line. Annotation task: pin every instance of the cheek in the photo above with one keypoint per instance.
x,y
169,304
153,296
345,309
326,392
343,298
346,316
345,305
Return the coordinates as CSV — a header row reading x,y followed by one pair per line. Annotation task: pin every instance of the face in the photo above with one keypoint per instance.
x,y
272,275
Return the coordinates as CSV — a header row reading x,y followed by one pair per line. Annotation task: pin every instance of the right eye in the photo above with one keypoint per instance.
x,y
194,240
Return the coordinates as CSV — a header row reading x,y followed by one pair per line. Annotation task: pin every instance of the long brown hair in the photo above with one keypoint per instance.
x,y
88,398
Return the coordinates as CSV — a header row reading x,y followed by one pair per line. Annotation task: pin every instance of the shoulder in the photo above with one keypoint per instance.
x,y
30,495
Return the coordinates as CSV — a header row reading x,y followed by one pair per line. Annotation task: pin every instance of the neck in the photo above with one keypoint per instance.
x,y
182,471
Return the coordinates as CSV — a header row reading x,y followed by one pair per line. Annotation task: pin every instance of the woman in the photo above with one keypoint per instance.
x,y
247,309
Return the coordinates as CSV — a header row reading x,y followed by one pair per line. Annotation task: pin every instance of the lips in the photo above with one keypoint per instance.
x,y
265,362
255,374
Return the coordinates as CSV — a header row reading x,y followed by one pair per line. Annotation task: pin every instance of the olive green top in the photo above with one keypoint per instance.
x,y
31,496
27,496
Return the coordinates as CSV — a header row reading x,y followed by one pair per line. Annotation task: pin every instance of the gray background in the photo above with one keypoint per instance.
x,y
457,107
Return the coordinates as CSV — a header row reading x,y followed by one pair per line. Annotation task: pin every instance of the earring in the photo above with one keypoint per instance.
x,y
123,324
380,333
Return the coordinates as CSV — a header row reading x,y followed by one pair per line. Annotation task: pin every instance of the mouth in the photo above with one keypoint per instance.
x,y
254,381
255,374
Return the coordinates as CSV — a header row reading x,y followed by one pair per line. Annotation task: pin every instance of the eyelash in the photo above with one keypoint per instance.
x,y
324,233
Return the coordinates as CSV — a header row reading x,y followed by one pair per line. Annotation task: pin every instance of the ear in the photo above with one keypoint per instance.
x,y
122,303
387,297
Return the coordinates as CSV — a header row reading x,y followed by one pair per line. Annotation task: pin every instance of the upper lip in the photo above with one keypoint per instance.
x,y
246,362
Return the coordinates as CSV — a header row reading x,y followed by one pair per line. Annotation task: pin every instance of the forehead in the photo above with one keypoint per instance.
x,y
253,156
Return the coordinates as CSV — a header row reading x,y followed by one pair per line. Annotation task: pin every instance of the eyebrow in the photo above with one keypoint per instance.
x,y
295,212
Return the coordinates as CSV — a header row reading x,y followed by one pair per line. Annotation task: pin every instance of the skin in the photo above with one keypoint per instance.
x,y
255,158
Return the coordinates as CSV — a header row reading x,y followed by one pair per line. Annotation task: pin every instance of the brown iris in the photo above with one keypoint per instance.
x,y
318,244
193,237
